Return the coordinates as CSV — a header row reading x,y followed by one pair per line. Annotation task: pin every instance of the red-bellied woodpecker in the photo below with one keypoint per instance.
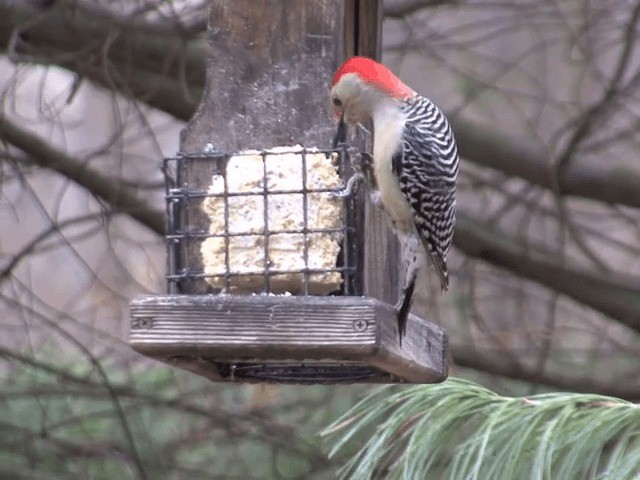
x,y
415,163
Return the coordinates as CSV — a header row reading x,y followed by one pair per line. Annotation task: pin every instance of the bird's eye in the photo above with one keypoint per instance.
x,y
337,102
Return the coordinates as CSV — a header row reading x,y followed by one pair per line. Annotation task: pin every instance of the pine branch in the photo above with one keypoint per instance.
x,y
459,430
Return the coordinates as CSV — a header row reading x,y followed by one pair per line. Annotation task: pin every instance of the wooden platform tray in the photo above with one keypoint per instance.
x,y
287,339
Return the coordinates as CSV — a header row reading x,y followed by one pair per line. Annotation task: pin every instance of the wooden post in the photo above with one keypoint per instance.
x,y
268,75
363,36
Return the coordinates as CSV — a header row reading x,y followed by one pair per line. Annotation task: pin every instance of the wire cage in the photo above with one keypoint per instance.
x,y
281,221
265,275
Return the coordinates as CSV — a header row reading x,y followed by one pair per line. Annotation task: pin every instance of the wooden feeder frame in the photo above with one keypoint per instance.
x,y
269,338
296,339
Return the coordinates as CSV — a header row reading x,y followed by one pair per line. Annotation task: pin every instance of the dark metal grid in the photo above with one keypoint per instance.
x,y
299,374
180,196
291,373
310,374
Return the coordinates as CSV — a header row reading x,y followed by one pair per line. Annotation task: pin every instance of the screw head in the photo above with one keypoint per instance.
x,y
360,325
145,322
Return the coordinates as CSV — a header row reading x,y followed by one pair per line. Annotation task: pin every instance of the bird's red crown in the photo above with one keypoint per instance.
x,y
376,74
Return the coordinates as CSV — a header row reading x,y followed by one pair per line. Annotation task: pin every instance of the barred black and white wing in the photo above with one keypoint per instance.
x,y
427,168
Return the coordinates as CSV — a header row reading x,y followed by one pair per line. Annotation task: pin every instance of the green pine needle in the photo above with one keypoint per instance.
x,y
459,430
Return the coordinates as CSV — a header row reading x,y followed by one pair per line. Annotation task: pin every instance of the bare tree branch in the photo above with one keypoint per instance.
x,y
402,8
520,158
119,197
154,66
134,19
30,246
495,363
140,65
597,112
615,295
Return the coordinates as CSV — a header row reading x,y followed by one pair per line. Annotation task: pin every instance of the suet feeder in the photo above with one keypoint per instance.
x,y
279,270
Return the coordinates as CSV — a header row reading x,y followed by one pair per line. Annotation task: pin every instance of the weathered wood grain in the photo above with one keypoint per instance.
x,y
320,331
382,270
363,28
270,67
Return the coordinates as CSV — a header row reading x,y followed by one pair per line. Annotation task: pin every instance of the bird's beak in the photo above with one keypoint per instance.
x,y
341,134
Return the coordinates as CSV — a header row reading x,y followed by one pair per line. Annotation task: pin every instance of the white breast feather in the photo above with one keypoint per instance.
x,y
388,124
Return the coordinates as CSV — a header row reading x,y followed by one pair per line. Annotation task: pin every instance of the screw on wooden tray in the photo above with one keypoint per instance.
x,y
360,325
145,322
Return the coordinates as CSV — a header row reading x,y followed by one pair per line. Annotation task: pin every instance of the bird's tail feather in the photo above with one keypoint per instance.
x,y
405,307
